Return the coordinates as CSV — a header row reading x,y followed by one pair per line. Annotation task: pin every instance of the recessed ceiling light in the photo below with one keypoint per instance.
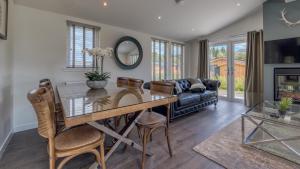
x,y
105,3
159,17
180,2
238,4
193,29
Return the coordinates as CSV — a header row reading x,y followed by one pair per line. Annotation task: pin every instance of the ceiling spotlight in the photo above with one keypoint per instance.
x,y
159,17
193,29
105,3
238,4
179,2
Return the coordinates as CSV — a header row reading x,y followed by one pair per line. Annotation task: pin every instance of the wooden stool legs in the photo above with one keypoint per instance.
x,y
147,134
102,157
145,140
52,163
168,141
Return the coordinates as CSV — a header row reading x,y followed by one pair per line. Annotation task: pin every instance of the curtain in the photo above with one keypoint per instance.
x,y
254,68
203,60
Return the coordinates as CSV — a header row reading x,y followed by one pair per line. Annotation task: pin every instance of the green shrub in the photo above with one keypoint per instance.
x,y
239,83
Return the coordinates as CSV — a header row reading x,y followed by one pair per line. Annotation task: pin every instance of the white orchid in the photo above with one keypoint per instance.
x,y
99,54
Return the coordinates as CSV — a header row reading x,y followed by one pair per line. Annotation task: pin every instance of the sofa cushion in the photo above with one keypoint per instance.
x,y
207,95
198,88
187,98
184,84
194,81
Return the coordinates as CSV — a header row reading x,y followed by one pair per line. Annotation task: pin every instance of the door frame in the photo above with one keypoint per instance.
x,y
230,65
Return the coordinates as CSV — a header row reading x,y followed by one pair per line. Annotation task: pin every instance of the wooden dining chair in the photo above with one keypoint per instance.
x,y
70,143
59,120
122,81
135,83
151,121
127,82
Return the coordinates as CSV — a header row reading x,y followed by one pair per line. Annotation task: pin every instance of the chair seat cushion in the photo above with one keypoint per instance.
x,y
151,118
77,137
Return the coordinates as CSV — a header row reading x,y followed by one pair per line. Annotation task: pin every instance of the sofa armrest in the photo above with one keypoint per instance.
x,y
211,84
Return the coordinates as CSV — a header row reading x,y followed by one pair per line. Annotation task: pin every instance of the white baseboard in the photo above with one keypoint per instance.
x,y
5,143
24,127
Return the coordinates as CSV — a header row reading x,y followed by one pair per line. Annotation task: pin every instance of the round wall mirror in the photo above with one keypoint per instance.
x,y
128,53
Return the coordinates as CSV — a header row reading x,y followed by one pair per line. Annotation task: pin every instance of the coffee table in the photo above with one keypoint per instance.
x,y
264,129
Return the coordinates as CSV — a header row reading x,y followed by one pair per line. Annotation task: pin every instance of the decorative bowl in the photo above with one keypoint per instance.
x,y
96,84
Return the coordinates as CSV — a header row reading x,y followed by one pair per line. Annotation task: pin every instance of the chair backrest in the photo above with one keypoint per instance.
x,y
162,87
51,100
47,83
129,82
45,115
45,80
122,81
138,83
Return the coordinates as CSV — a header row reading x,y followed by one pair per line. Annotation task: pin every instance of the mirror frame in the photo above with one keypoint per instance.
x,y
136,42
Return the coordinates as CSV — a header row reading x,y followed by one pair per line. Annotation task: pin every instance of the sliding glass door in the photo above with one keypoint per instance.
x,y
227,62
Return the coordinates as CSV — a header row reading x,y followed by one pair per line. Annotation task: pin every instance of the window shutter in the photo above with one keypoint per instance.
x,y
81,36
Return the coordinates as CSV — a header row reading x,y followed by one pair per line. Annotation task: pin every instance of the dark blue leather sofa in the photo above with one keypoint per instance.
x,y
189,102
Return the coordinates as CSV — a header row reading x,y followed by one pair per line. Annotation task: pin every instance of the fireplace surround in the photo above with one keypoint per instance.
x,y
287,83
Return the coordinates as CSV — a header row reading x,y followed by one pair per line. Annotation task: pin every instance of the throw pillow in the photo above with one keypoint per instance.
x,y
194,81
198,88
178,88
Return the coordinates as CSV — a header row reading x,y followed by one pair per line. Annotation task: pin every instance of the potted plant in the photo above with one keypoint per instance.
x,y
97,79
284,105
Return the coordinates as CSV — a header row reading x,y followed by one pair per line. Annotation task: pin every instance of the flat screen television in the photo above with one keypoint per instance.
x,y
285,51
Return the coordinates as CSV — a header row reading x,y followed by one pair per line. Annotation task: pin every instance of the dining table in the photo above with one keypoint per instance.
x,y
82,105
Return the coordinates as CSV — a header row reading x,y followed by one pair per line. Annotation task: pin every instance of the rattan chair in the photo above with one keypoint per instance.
x,y
70,143
130,83
122,81
151,121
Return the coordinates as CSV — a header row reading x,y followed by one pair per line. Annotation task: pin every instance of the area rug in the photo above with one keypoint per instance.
x,y
224,147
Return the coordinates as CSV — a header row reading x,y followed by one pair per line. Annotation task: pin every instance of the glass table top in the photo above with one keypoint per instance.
x,y
78,99
268,110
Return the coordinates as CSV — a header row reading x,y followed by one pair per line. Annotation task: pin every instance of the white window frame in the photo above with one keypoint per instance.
x,y
166,57
169,59
173,44
230,62
96,43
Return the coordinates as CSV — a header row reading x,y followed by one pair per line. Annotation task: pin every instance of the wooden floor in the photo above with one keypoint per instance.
x,y
27,150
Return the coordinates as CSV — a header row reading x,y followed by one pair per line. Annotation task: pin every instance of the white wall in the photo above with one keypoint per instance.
x,y
40,52
6,85
253,21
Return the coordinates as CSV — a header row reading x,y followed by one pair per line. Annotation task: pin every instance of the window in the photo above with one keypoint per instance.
x,y
81,36
159,56
177,54
165,66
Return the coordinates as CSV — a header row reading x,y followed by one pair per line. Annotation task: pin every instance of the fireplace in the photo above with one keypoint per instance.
x,y
287,83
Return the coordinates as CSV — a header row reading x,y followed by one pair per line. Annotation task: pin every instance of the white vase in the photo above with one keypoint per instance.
x,y
96,84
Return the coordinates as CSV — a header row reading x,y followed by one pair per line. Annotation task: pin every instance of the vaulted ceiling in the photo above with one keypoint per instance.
x,y
182,22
